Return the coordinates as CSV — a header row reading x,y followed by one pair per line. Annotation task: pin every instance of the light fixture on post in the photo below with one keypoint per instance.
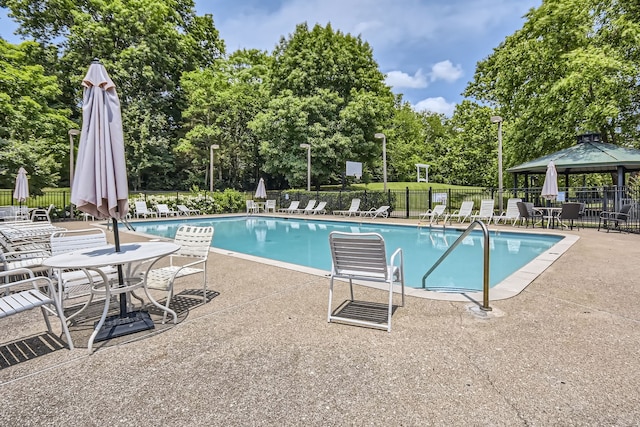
x,y
72,133
308,147
384,157
498,120
211,148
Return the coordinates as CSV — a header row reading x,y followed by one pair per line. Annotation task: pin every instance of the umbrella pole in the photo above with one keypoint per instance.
x,y
126,322
123,296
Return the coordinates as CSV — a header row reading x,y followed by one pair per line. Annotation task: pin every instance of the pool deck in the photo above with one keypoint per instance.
x,y
562,352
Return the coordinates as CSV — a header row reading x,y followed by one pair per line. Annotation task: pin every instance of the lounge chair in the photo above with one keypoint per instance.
x,y
434,214
463,214
163,209
144,211
293,207
308,208
511,214
485,212
353,209
362,256
320,209
609,219
186,211
382,211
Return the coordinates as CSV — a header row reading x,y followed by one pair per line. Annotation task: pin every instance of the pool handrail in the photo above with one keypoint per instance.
x,y
485,287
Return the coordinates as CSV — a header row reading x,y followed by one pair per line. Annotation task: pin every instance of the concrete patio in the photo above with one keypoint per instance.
x,y
563,352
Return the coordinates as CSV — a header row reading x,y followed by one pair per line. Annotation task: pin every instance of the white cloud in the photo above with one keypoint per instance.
x,y
446,71
398,79
436,105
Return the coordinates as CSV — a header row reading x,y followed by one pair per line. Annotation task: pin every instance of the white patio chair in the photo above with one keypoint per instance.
x,y
485,212
293,207
353,209
252,207
26,299
182,209
191,258
512,213
308,209
362,257
143,210
163,209
382,211
41,214
270,206
434,214
320,209
463,214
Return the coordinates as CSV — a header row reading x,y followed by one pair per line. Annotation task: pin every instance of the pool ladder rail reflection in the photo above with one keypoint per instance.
x,y
463,236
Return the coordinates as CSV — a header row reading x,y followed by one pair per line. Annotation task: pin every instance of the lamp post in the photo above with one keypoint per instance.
x,y
211,148
498,120
308,147
384,157
72,133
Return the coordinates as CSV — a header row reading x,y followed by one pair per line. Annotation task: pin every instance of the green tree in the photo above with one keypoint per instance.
x,y
326,90
572,68
33,126
222,100
146,46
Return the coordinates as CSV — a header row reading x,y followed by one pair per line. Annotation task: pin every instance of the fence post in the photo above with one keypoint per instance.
x,y
430,194
406,202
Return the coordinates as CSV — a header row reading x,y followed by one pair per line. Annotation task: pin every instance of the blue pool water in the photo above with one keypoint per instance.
x,y
306,243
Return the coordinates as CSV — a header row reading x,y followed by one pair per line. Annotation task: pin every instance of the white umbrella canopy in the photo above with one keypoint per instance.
x,y
261,191
21,192
550,186
100,186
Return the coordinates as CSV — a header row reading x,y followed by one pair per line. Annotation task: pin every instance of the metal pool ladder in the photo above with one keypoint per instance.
x,y
485,287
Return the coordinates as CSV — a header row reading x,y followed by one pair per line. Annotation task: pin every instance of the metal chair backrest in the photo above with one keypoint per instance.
x,y
358,255
570,211
195,242
71,240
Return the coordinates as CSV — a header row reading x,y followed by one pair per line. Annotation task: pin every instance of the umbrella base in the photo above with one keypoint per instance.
x,y
119,325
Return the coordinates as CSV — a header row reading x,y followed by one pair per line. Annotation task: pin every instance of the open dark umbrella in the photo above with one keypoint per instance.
x,y
100,186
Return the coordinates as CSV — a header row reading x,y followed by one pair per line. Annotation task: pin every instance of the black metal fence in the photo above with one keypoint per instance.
x,y
406,203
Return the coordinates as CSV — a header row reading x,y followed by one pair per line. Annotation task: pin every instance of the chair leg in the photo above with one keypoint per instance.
x,y
330,300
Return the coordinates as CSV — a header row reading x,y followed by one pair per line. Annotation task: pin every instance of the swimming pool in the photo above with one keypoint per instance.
x,y
306,243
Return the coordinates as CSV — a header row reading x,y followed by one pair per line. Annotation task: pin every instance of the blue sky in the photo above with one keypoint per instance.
x,y
427,48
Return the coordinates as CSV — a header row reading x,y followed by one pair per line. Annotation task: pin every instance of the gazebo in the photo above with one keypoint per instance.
x,y
589,155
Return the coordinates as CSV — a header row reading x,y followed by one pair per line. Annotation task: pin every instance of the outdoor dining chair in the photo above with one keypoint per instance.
x,y
615,219
191,258
363,257
27,294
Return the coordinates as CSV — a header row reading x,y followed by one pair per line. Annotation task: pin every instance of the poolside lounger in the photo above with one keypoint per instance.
x,y
353,209
308,208
320,209
485,212
464,213
374,213
293,207
182,209
511,214
143,210
163,209
434,214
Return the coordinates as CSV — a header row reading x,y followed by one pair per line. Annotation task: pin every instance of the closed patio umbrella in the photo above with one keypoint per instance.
x,y
21,192
100,186
261,191
550,186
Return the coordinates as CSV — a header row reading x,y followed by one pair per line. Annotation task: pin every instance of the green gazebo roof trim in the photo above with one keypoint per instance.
x,y
585,157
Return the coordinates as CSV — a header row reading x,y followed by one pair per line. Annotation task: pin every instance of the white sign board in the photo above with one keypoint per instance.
x,y
354,169
439,197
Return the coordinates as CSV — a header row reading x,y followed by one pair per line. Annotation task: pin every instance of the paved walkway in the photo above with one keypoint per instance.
x,y
563,352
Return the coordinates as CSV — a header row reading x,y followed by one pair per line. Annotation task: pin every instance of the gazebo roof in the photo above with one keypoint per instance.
x,y
585,157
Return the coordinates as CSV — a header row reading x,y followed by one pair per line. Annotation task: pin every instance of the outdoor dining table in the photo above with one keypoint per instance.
x,y
130,253
551,214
